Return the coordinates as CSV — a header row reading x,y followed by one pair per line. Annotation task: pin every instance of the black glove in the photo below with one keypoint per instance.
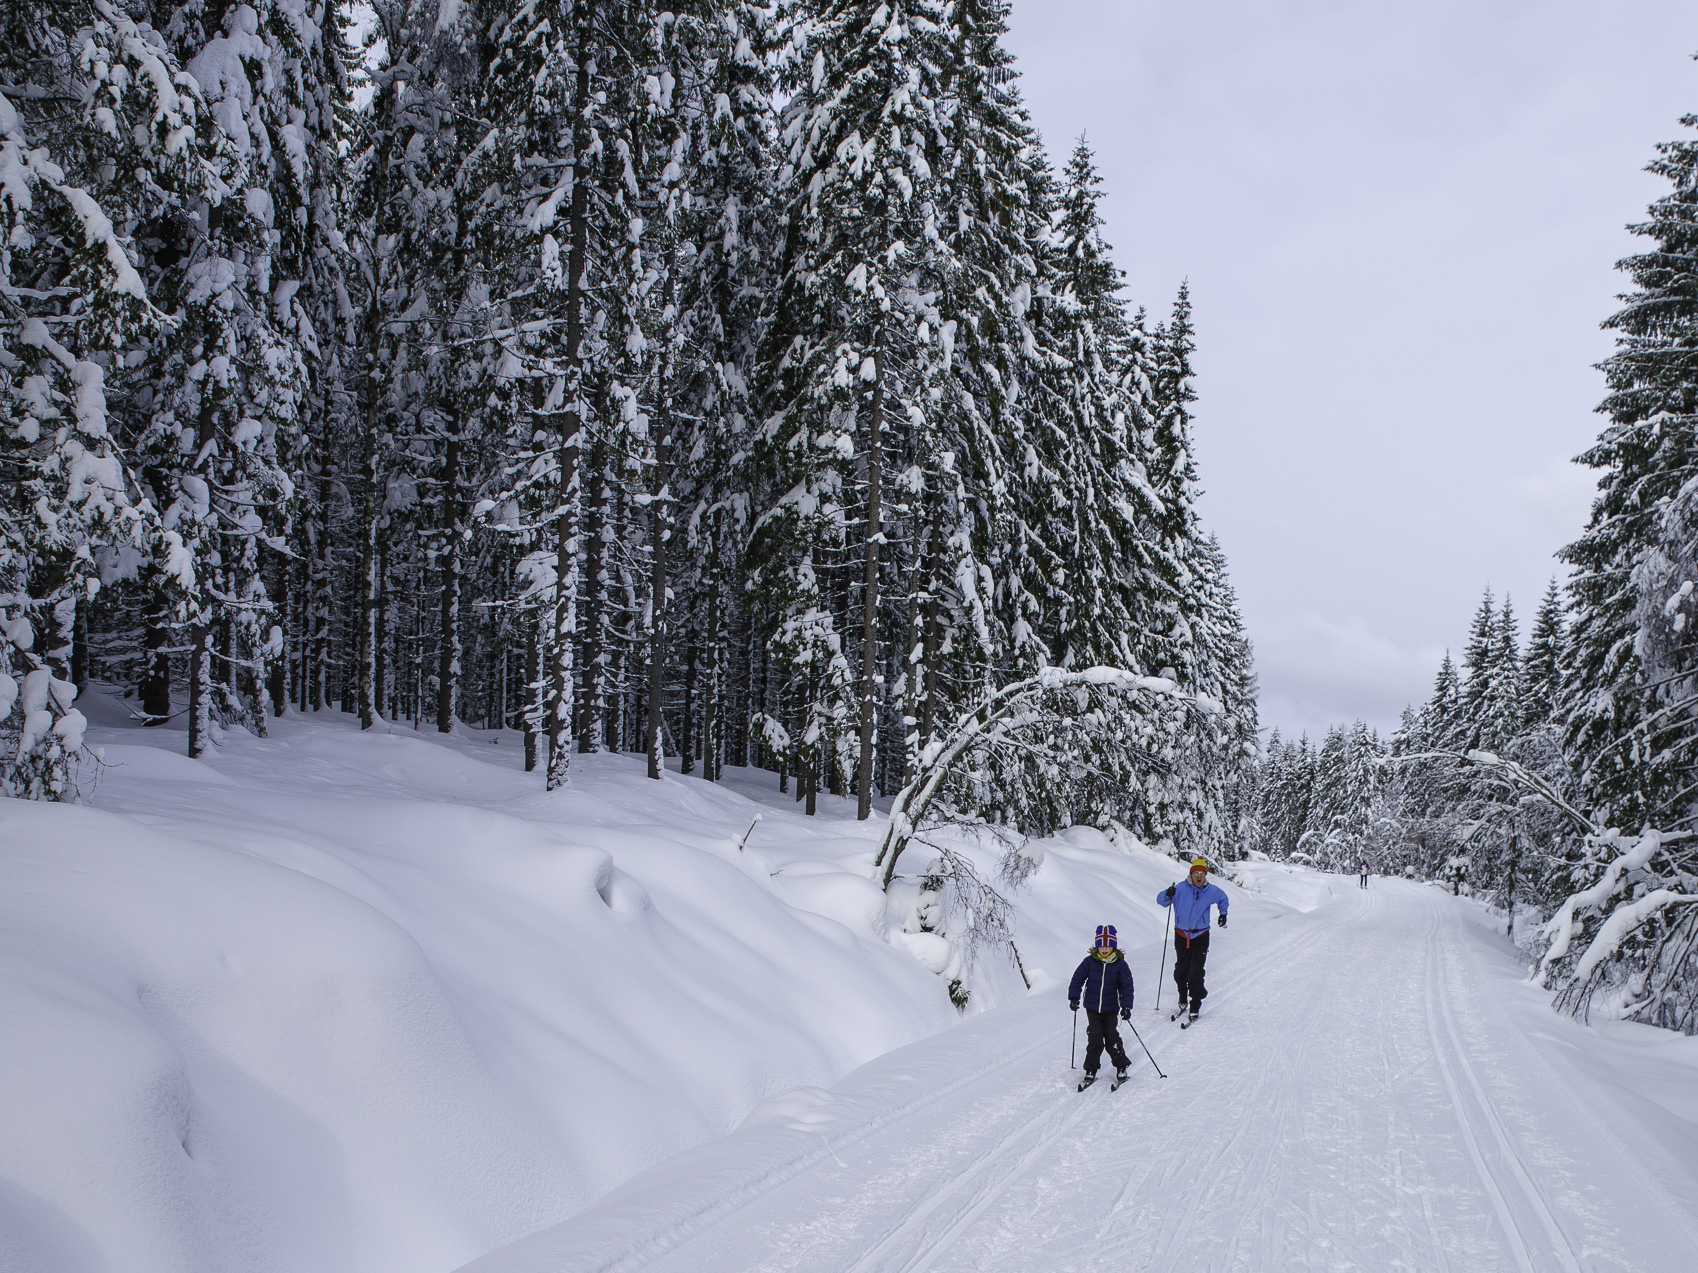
x,y
1170,890
1074,1004
1126,1014
1223,919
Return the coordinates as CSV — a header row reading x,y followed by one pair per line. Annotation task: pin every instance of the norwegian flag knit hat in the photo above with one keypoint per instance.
x,y
1106,937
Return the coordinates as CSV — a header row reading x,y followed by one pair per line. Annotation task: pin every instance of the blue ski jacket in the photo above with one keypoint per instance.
x,y
1107,986
1191,905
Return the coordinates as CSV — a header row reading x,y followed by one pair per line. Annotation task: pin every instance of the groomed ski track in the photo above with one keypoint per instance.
x,y
1371,1086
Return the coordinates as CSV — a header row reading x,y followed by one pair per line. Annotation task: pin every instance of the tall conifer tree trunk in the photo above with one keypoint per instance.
x,y
448,654
660,523
370,580
712,747
592,711
869,599
156,659
560,696
200,689
372,503
322,589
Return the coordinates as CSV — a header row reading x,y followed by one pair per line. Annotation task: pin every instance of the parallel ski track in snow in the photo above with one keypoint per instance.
x,y
991,1174
1260,1123
716,1211
1241,1172
1522,1209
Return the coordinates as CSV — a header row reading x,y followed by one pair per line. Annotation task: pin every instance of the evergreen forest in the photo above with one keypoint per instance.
x,y
731,382
743,384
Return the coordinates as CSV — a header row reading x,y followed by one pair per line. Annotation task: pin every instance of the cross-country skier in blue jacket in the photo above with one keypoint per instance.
x,y
1191,901
1103,983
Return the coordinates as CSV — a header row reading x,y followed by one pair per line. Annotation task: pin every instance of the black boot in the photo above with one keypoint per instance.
x,y
1090,1077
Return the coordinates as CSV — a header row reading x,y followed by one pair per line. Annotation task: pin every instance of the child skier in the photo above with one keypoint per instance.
x,y
1103,983
1191,901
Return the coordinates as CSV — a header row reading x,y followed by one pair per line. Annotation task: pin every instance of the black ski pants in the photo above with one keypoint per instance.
x,y
1189,955
1100,1031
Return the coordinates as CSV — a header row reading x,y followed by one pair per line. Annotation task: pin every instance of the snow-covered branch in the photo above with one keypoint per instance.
x,y
912,804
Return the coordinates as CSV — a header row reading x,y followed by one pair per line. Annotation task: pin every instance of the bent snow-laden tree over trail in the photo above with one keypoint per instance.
x,y
997,722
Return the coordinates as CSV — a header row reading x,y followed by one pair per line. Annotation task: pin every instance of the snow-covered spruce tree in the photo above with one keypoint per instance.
x,y
1458,819
1512,850
313,308
100,132
1544,676
1490,696
1118,593
1173,474
218,404
1629,732
1425,792
426,358
1034,432
1225,755
1172,802
1346,816
1287,792
1198,634
1085,577
289,111
1447,811
714,248
847,357
563,96
1626,935
1443,713
1502,711
728,253
689,163
1476,666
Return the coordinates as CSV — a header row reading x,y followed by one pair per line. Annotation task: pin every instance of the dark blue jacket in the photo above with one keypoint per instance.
x,y
1191,905
1107,986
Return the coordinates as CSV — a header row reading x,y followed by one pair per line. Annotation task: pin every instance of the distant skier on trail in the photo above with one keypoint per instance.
x,y
1191,901
1103,983
1363,870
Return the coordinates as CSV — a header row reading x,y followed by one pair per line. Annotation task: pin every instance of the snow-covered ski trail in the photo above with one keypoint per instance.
x,y
1524,1215
1368,1095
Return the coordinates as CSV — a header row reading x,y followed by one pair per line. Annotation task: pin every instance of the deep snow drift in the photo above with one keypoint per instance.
x,y
335,1001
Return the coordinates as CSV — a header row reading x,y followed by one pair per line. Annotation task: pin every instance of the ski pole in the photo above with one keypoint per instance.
x,y
1073,1052
1163,968
1143,1045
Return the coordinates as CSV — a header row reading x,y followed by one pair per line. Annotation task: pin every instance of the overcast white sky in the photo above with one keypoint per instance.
x,y
1399,223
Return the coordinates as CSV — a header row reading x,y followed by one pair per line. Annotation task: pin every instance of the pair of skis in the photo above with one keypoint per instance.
x,y
1092,1078
1189,1021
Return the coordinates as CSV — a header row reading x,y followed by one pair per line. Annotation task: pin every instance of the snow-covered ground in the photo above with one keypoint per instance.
x,y
1373,1086
368,1003
335,1001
